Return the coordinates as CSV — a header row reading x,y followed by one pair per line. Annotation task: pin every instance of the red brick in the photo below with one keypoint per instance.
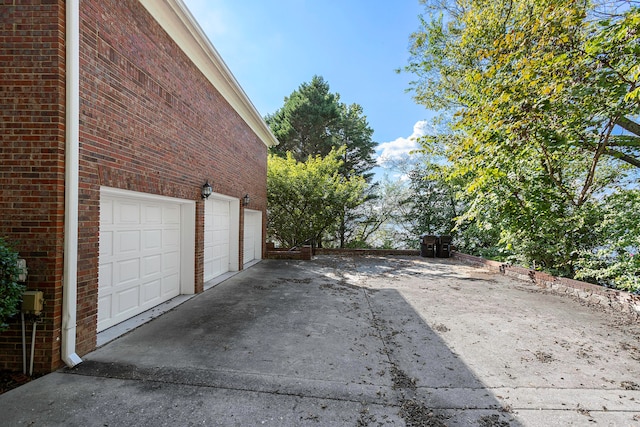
x,y
149,122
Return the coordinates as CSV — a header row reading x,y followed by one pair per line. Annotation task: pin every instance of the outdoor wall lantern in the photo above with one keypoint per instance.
x,y
206,190
245,200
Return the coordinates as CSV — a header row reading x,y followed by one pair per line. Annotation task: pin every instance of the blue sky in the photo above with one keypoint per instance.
x,y
272,47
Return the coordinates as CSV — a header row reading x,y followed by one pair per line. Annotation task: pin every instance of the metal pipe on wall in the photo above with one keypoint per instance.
x,y
72,149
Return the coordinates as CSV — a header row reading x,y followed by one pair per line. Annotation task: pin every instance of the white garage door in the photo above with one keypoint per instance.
x,y
217,216
252,235
139,256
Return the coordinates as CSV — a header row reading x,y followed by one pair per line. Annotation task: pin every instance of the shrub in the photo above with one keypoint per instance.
x,y
10,289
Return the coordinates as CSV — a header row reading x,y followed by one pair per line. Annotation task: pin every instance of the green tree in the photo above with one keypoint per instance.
x,y
313,121
307,199
433,202
304,126
354,133
615,261
536,96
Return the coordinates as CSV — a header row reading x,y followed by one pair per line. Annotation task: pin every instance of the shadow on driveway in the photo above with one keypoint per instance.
x,y
333,341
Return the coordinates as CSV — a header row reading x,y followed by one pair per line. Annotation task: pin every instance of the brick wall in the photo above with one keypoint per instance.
x,y
367,252
149,122
32,91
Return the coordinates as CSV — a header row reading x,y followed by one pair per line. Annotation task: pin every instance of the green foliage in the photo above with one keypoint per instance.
x,y
313,121
304,125
432,204
307,199
378,221
353,133
614,261
10,290
539,91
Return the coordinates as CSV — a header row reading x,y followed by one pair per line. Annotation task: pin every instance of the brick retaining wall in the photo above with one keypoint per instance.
x,y
306,252
617,300
364,252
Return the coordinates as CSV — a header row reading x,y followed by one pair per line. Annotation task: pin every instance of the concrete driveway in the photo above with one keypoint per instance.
x,y
363,341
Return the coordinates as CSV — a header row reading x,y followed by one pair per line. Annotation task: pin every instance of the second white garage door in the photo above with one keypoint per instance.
x,y
217,219
252,235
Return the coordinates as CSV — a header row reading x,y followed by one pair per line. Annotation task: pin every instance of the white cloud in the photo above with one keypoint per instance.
x,y
401,147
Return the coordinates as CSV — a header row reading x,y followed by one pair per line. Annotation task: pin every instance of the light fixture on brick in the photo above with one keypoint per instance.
x,y
245,200
206,190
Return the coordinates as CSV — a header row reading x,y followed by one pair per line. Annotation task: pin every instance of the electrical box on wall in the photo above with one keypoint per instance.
x,y
32,302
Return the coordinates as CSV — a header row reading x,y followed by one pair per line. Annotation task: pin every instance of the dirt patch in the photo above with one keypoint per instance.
x,y
632,349
401,380
365,419
415,414
544,357
304,281
492,421
630,385
440,327
341,287
10,380
265,288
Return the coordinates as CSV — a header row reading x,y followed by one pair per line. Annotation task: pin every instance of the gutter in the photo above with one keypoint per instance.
x,y
72,150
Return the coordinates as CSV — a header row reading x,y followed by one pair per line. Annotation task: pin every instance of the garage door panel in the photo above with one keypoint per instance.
x,y
216,267
127,241
152,214
220,252
128,213
208,252
171,238
106,243
105,273
128,299
171,261
169,284
151,265
128,271
221,237
220,223
106,212
171,215
216,238
208,270
104,308
152,239
151,291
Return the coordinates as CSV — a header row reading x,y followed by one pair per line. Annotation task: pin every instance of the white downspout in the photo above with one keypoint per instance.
x,y
72,149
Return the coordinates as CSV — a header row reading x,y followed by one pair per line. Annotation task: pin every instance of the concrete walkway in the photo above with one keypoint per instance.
x,y
354,342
